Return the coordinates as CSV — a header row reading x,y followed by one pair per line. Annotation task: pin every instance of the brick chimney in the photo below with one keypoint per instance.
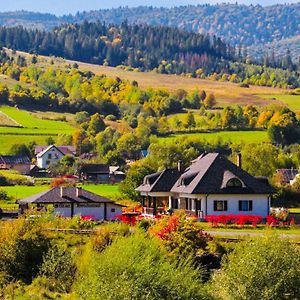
x,y
78,192
239,160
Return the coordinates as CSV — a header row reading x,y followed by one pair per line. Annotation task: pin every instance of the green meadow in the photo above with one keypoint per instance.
x,y
292,101
33,128
225,136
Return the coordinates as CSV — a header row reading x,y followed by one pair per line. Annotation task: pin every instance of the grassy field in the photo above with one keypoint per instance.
x,y
35,127
225,136
21,192
292,101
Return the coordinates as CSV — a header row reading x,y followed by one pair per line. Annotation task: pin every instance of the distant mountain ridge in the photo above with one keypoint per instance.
x,y
251,26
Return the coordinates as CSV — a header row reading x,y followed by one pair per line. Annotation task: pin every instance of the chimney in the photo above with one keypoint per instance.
x,y
179,166
78,192
239,160
63,192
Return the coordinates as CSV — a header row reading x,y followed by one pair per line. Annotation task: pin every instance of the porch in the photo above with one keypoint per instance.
x,y
163,205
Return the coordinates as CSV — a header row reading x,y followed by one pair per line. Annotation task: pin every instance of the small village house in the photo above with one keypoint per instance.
x,y
287,176
50,155
211,185
101,173
72,201
18,163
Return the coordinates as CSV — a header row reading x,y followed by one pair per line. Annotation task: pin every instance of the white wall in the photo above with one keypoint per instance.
x,y
55,157
110,214
260,204
96,212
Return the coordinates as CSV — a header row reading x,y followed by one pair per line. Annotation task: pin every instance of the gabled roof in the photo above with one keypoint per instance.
x,y
47,149
14,160
69,196
95,169
160,181
210,173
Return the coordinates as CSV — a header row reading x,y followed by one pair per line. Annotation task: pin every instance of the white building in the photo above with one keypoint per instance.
x,y
49,156
72,201
211,185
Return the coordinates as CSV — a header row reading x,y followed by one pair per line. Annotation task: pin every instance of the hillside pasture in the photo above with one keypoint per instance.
x,y
292,101
33,128
227,93
224,136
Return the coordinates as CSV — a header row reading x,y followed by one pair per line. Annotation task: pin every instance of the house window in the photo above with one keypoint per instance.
x,y
49,156
113,210
245,205
220,205
234,182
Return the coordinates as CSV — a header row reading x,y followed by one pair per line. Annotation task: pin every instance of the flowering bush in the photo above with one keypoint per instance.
x,y
234,219
281,214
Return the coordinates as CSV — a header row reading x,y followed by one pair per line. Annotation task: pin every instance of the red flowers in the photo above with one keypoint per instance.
x,y
234,219
87,218
171,226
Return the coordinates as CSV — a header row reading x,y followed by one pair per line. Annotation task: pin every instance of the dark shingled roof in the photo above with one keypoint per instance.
x,y
210,173
95,168
54,196
160,181
15,160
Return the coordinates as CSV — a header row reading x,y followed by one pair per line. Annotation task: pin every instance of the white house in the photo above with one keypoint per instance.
x,y
48,156
71,201
211,185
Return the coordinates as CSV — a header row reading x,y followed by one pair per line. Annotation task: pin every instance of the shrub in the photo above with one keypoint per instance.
x,y
260,269
23,246
59,268
135,268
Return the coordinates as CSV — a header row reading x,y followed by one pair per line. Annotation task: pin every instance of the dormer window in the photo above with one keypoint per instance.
x,y
234,182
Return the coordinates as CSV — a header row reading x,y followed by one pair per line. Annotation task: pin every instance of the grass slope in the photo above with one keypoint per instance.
x,y
292,101
34,128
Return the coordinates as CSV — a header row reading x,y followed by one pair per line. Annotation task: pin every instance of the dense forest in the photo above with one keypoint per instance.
x,y
166,50
138,46
237,24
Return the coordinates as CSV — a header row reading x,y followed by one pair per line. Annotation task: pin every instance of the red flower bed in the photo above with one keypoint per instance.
x,y
234,219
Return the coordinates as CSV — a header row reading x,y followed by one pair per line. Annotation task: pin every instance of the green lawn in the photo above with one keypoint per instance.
x,y
292,101
21,192
35,129
104,190
225,136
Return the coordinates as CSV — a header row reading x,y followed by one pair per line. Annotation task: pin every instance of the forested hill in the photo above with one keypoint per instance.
x,y
237,24
139,46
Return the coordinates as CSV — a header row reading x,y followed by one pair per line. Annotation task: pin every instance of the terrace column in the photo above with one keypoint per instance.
x,y
170,202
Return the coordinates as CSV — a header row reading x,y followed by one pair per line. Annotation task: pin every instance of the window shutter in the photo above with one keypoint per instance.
x,y
250,205
240,205
215,205
225,205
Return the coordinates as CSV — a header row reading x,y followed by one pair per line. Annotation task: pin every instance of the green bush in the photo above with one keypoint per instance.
x,y
260,269
59,268
22,247
134,268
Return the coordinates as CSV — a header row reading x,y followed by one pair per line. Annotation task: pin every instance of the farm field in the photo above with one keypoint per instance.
x,y
292,101
225,136
34,128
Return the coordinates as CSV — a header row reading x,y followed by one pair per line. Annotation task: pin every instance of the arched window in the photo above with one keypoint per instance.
x,y
234,182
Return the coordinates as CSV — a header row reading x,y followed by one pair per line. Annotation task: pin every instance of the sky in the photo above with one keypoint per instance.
x,y
60,7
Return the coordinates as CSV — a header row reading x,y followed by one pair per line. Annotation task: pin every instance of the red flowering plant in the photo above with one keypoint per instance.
x,y
240,219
